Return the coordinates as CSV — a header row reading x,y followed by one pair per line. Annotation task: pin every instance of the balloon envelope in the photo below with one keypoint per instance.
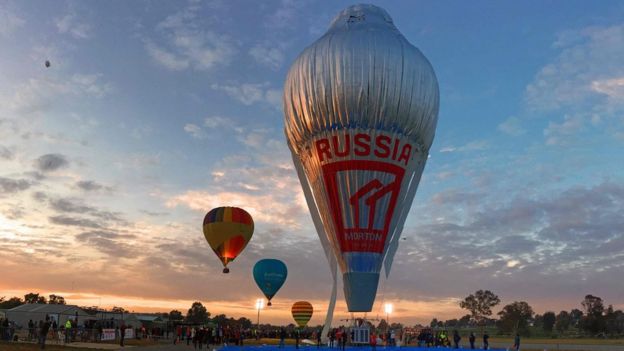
x,y
360,111
302,312
228,230
270,274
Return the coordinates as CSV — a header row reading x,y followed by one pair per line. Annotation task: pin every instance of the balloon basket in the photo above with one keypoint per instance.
x,y
269,304
226,270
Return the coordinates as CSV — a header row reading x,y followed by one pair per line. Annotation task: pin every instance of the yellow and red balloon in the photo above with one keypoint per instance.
x,y
228,230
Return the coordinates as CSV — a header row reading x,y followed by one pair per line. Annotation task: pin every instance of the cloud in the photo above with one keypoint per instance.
x,y
91,185
280,213
11,186
72,205
585,79
476,145
110,243
215,122
9,21
613,88
184,43
194,130
6,153
556,133
74,221
51,162
266,55
252,93
38,94
284,15
512,126
71,25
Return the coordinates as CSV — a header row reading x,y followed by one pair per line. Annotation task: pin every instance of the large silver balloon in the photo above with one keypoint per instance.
x,y
361,108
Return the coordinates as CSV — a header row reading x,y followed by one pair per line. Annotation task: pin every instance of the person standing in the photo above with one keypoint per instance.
x,y
344,339
68,326
486,341
122,334
456,338
319,333
282,336
43,332
373,341
517,342
472,340
297,339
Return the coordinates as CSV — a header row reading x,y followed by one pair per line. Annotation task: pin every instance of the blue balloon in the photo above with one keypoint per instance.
x,y
270,274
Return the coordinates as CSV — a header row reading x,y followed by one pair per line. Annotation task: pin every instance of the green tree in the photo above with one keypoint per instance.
x,y
563,321
515,317
175,315
117,309
614,321
576,316
34,298
244,323
197,313
480,304
56,300
383,325
10,303
548,321
465,321
593,322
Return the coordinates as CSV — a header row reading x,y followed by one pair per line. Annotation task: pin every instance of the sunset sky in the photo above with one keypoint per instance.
x,y
152,113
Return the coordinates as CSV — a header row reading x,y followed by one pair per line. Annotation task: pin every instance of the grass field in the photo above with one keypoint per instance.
x,y
574,341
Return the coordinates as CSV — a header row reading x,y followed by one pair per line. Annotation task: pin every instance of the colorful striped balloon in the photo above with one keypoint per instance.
x,y
228,230
302,312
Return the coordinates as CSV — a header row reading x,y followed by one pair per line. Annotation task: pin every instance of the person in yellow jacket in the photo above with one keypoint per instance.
x,y
68,327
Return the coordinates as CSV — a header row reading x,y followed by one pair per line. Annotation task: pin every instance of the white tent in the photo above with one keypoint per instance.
x,y
38,311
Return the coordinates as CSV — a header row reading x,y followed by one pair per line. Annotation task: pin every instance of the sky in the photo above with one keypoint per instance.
x,y
153,113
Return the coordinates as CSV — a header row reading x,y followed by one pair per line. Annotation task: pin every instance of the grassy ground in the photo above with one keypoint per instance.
x,y
574,341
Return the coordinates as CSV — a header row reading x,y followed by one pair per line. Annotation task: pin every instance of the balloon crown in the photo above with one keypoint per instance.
x,y
371,15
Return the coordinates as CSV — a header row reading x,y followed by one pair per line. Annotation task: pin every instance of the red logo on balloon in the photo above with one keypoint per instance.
x,y
362,212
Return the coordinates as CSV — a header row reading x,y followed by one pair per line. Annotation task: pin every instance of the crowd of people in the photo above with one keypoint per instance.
x,y
428,338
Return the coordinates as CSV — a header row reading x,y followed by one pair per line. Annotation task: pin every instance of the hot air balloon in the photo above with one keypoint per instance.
x,y
228,230
360,111
302,312
270,274
47,63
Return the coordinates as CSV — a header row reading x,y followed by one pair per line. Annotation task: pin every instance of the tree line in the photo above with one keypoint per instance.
x,y
30,298
593,319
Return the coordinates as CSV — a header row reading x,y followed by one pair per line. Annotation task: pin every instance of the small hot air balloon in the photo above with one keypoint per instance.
x,y
270,274
47,63
360,112
228,230
302,312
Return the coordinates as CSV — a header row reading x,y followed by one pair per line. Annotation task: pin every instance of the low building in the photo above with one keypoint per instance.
x,y
115,319
38,312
